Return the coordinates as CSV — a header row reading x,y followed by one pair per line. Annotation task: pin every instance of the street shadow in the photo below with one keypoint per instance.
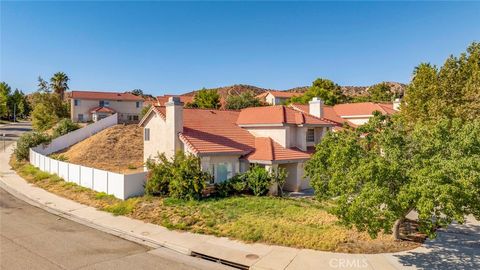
x,y
457,247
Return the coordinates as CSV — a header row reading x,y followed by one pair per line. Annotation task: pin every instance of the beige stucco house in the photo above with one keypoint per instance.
x,y
228,142
93,106
276,97
353,114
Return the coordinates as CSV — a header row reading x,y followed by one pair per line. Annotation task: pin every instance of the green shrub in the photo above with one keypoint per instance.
x,y
182,177
235,185
259,180
64,126
60,157
28,140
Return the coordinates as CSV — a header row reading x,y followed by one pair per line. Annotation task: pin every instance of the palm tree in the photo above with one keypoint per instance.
x,y
58,83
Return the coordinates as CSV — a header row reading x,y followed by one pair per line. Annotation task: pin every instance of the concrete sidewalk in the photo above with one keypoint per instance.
x,y
437,254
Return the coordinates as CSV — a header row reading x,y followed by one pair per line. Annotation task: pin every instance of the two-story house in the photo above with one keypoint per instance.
x,y
228,142
354,114
93,106
276,97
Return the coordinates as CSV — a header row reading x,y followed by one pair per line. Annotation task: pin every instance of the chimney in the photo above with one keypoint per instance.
x,y
316,107
174,125
396,104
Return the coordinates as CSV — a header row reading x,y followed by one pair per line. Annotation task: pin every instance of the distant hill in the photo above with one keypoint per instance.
x,y
396,87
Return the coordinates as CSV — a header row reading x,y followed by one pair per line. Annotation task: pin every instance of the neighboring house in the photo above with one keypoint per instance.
x,y
228,142
276,97
355,114
93,106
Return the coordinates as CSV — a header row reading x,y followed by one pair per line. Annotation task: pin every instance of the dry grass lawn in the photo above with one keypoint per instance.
x,y
117,149
301,223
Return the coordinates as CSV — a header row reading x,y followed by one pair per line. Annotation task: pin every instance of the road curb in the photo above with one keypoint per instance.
x,y
116,232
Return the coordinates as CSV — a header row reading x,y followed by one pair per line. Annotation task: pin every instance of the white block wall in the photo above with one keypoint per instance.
x,y
119,185
122,186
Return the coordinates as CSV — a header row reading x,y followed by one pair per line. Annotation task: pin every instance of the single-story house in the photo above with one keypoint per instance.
x,y
93,106
228,142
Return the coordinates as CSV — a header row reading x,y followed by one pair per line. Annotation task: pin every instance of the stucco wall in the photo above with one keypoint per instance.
x,y
358,121
278,134
157,143
123,108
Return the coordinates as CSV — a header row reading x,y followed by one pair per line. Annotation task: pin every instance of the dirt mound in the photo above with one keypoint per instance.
x,y
118,149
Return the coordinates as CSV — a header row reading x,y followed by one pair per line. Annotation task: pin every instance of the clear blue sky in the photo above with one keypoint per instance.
x,y
177,47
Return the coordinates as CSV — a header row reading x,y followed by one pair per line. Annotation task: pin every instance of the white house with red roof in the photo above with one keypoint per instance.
x,y
276,97
93,106
354,114
228,142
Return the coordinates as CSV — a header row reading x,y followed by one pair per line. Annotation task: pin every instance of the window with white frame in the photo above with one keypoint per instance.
x,y
310,135
76,102
146,134
137,104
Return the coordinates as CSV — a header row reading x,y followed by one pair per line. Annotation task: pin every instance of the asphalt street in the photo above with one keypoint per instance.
x,y
9,133
31,238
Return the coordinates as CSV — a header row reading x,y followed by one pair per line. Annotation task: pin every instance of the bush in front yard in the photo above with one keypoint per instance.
x,y
258,180
28,140
182,177
235,185
159,176
64,126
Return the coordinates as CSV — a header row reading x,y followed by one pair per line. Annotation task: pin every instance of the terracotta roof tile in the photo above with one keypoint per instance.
x,y
216,132
362,108
279,114
102,109
329,113
104,96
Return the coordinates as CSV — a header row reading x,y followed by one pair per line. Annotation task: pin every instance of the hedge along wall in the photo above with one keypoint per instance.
x,y
121,186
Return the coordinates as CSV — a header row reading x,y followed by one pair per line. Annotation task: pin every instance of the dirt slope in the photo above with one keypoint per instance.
x,y
118,149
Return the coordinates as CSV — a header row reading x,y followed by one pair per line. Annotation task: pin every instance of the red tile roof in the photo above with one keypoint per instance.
x,y
267,149
216,132
328,112
278,114
104,96
363,108
102,109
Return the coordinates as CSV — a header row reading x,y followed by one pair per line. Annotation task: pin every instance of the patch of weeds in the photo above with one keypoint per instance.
x,y
123,207
131,167
103,195
59,157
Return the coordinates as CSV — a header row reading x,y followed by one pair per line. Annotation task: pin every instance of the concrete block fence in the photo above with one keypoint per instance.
x,y
121,186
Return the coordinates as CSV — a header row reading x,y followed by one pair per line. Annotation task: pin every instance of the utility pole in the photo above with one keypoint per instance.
x,y
15,112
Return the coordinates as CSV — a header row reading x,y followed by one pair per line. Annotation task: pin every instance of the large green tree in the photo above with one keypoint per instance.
x,y
243,100
5,90
452,90
426,159
325,89
206,99
380,93
380,172
59,84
